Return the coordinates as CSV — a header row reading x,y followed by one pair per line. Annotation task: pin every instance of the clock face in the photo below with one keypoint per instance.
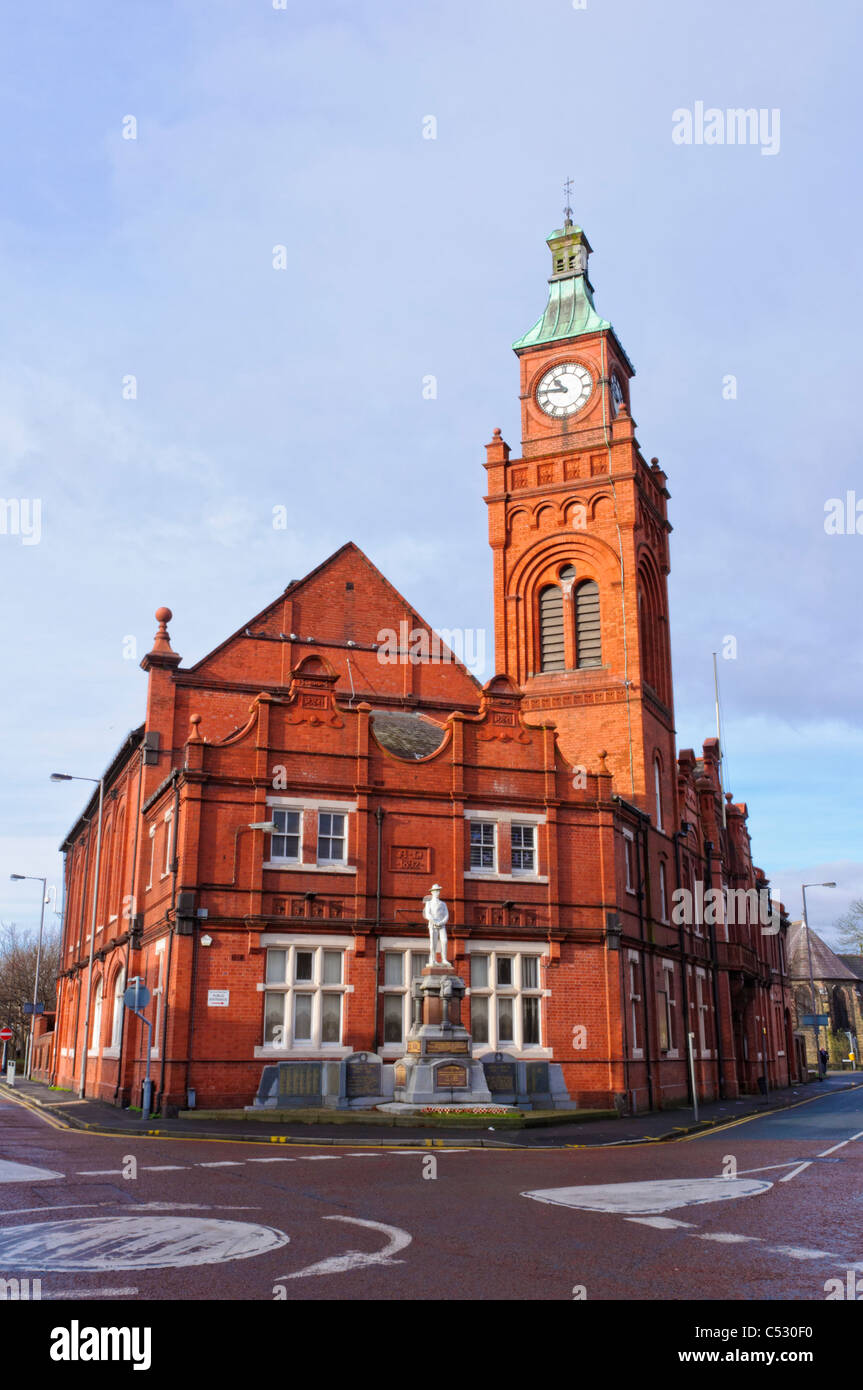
x,y
616,392
564,389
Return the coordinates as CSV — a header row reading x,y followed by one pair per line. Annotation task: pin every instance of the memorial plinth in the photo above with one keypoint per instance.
x,y
438,1068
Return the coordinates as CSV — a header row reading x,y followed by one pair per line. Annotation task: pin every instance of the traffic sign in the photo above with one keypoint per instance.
x,y
5,1034
814,1020
137,996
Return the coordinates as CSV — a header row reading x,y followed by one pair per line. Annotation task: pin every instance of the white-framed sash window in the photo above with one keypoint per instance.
x,y
304,994
506,999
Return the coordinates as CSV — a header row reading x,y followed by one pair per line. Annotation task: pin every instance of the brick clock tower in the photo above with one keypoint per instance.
x,y
579,531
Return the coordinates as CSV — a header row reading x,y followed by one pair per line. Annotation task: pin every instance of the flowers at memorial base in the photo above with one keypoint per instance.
x,y
466,1110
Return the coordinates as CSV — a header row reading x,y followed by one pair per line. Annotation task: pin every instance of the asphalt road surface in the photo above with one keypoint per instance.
x,y
769,1208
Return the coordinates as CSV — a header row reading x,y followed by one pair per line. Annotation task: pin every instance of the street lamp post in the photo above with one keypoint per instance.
x,y
28,1066
100,782
815,1028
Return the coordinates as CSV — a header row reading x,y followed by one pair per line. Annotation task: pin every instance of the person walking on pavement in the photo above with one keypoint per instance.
x,y
822,1057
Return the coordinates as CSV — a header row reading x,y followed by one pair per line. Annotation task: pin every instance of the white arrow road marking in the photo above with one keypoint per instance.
x,y
354,1259
22,1172
647,1197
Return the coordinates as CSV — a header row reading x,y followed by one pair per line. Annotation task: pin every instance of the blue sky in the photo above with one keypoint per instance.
x,y
303,127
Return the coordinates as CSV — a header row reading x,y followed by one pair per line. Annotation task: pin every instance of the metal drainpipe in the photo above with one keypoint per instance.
x,y
119,1084
379,817
57,1024
621,977
720,1060
642,927
81,943
176,859
676,838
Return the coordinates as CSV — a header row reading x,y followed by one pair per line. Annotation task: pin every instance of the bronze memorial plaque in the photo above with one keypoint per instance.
x,y
499,1076
414,1045
451,1074
536,1076
442,1045
362,1079
300,1079
401,1074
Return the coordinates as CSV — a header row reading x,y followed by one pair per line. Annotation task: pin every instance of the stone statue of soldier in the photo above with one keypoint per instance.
x,y
436,914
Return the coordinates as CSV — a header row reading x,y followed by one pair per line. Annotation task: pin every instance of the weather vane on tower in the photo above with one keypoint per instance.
x,y
567,211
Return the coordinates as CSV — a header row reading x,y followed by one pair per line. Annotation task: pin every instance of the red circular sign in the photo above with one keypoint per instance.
x,y
5,1034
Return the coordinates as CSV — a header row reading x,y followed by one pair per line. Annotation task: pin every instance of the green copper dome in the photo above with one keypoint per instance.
x,y
570,311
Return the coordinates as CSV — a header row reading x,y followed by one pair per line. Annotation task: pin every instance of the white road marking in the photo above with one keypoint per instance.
x,y
23,1172
792,1252
318,1158
645,1198
743,1172
373,1153
91,1293
660,1223
133,1241
224,1163
842,1145
62,1206
99,1173
727,1238
798,1169
164,1168
795,1252
355,1259
271,1160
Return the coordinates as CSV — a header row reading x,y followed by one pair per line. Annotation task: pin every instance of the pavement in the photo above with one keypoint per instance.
x,y
353,1128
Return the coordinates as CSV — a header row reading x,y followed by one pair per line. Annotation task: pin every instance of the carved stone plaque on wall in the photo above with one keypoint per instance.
x,y
408,859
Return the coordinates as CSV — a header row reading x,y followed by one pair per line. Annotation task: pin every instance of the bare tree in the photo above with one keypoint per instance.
x,y
849,929
18,976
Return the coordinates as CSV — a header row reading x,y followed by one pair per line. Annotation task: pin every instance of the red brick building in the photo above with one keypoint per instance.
x,y
603,901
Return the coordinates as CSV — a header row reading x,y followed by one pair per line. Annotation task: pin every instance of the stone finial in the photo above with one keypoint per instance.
x,y
161,652
195,735
603,764
498,450
162,640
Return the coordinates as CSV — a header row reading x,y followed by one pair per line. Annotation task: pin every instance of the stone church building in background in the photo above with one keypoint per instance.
x,y
551,804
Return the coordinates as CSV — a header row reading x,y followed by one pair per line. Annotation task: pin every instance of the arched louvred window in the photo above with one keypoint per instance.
x,y
551,629
588,637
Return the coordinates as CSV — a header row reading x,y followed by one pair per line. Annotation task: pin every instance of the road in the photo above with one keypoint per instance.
x,y
768,1208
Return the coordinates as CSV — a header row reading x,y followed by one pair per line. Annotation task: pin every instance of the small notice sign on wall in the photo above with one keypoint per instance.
x,y
218,998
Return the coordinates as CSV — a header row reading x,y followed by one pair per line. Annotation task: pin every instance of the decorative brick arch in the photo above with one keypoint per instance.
x,y
539,567
653,626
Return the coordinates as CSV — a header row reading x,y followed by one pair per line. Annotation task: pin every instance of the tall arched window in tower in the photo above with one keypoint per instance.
x,y
588,637
551,646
